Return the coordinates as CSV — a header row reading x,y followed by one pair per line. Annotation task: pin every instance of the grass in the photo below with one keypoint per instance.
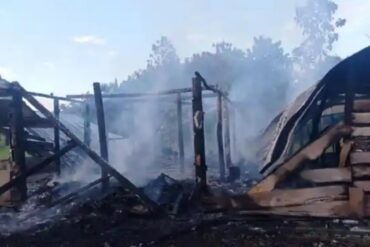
x,y
4,150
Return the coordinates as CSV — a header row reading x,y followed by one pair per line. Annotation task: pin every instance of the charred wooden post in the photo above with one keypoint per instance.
x,y
233,131
57,136
101,128
180,135
87,125
198,129
227,135
18,141
220,140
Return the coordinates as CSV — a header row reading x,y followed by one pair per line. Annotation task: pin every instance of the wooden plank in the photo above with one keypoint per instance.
x,y
18,141
335,109
365,185
360,158
361,118
361,131
361,171
357,201
327,175
180,133
294,197
93,155
198,130
311,152
332,209
102,130
279,198
361,105
220,140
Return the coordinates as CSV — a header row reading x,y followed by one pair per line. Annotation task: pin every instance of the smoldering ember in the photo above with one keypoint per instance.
x,y
227,148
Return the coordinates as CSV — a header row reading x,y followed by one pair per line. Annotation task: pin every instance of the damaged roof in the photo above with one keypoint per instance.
x,y
279,135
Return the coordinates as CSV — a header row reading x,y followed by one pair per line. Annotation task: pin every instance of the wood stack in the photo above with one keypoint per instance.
x,y
342,190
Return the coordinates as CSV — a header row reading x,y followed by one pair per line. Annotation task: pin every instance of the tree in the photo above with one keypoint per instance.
x,y
163,53
319,28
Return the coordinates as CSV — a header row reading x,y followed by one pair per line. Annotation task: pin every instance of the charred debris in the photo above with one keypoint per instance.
x,y
314,158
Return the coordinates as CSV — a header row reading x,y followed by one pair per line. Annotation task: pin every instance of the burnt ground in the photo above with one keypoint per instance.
x,y
119,220
109,231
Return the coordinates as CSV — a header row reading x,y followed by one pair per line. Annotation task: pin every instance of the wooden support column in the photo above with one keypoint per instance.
x,y
227,136
180,133
18,141
220,140
233,131
101,128
87,125
57,136
198,129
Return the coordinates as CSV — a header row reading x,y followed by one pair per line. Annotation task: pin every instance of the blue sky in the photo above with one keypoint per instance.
x,y
62,46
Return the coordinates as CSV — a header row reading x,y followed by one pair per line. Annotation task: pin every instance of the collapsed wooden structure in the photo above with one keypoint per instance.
x,y
317,160
21,119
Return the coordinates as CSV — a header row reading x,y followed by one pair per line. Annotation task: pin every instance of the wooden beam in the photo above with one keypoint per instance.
x,y
180,133
361,171
295,197
220,141
281,198
57,136
227,135
198,130
361,105
93,155
311,152
50,96
361,131
334,209
360,158
327,175
37,168
18,141
361,118
364,185
100,117
134,95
